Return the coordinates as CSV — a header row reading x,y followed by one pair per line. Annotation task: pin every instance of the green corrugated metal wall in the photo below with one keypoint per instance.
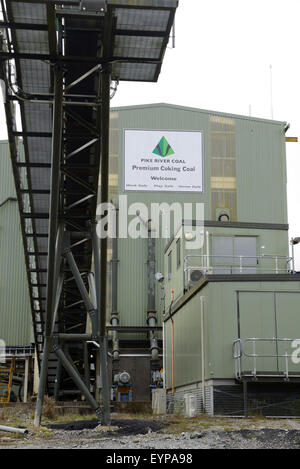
x,y
15,311
133,277
259,146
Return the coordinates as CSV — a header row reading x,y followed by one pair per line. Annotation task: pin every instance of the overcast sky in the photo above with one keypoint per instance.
x,y
221,62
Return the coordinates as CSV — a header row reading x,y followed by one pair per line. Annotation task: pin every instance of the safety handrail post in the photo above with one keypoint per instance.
x,y
237,264
254,361
286,361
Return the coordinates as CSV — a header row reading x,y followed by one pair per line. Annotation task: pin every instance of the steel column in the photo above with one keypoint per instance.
x,y
105,94
42,383
105,384
101,309
54,208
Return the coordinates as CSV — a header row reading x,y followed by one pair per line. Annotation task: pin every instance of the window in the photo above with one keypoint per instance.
x,y
223,166
178,252
228,251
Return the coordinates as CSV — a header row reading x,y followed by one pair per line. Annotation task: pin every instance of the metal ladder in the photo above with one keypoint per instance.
x,y
6,374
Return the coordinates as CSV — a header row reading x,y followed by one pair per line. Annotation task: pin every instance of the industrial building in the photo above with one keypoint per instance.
x,y
113,319
231,325
237,286
245,248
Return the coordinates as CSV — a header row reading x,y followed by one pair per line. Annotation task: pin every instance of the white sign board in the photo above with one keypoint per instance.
x,y
163,161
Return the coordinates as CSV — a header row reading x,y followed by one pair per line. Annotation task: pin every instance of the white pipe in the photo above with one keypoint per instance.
x,y
164,357
207,249
138,355
202,350
13,430
25,397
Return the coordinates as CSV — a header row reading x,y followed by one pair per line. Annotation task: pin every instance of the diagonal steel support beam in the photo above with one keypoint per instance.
x,y
83,291
82,122
80,201
92,287
57,300
79,181
83,77
83,147
73,373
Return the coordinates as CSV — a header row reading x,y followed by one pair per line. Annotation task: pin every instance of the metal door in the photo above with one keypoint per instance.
x,y
288,326
257,320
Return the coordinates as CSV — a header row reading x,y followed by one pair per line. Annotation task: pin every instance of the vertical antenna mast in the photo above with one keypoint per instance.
x,y
173,36
271,88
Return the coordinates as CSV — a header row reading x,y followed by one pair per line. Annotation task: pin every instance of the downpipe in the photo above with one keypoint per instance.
x,y
114,314
151,313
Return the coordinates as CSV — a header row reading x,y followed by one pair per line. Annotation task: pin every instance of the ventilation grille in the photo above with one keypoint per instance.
x,y
273,400
223,166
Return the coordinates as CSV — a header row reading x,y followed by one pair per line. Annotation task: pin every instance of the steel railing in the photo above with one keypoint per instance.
x,y
239,264
239,352
16,351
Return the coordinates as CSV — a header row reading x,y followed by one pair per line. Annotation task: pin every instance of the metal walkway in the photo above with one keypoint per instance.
x,y
61,61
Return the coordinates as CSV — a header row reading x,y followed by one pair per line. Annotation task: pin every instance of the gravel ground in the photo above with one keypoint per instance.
x,y
158,434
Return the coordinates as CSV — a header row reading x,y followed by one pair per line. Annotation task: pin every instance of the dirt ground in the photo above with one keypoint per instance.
x,y
148,432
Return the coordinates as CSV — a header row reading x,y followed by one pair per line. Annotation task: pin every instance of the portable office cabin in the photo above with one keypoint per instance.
x,y
214,333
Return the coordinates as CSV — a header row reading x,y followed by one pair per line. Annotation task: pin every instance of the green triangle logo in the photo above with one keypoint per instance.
x,y
163,148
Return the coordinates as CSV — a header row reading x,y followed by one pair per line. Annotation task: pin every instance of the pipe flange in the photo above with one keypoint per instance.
x,y
115,350
154,347
114,316
151,315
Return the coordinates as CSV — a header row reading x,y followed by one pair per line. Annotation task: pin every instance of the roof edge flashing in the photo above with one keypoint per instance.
x,y
197,110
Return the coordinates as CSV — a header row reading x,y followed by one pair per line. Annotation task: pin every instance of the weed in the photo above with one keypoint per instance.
x,y
49,408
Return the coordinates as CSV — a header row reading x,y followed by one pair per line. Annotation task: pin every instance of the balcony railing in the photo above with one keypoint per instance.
x,y
249,365
224,264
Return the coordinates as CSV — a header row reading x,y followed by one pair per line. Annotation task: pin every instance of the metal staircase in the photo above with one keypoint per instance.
x,y
6,374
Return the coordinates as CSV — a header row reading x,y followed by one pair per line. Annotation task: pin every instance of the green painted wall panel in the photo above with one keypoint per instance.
x,y
15,311
257,319
221,326
223,329
288,326
187,345
261,172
